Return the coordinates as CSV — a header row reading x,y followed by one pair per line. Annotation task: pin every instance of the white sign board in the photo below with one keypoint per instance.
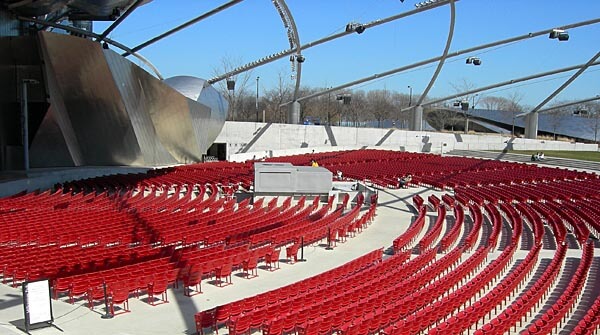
x,y
38,306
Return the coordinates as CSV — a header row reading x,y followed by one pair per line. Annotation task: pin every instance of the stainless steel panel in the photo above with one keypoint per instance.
x,y
105,110
57,105
207,106
49,148
91,100
126,76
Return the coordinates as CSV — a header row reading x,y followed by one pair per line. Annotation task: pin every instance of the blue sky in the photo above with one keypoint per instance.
x,y
252,29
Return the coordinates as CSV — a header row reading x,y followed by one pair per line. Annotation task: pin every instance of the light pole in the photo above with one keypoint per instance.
x,y
257,78
25,120
513,124
329,109
409,96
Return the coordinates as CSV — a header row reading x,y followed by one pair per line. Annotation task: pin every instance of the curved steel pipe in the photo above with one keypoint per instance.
x,y
444,55
435,59
566,83
295,39
180,27
504,83
290,51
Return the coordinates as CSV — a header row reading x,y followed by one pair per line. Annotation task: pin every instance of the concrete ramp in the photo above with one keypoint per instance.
x,y
385,137
330,136
258,135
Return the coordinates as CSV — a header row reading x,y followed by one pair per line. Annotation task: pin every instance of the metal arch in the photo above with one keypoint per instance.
x,y
435,59
292,31
504,83
444,55
284,53
565,84
96,36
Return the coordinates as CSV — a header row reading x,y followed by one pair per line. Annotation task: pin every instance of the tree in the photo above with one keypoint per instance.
x,y
400,101
439,118
555,117
241,91
464,86
379,104
591,110
274,98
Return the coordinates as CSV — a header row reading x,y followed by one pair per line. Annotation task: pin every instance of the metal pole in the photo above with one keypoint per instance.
x,y
572,103
257,78
409,96
288,52
25,124
107,314
185,25
444,54
435,59
513,124
328,109
302,250
566,83
119,20
506,83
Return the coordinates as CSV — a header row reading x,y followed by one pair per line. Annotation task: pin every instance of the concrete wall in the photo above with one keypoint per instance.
x,y
248,140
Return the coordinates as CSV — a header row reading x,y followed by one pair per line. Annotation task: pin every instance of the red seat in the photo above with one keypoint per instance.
x,y
272,260
250,266
158,287
206,319
223,274
119,295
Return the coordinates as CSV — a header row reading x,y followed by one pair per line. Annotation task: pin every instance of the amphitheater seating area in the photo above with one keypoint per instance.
x,y
494,248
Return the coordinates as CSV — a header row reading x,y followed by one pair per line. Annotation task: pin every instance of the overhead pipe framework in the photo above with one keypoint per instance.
x,y
121,18
505,83
450,55
568,104
182,26
531,118
417,116
284,53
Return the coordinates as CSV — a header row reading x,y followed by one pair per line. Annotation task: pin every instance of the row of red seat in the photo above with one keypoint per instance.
x,y
274,301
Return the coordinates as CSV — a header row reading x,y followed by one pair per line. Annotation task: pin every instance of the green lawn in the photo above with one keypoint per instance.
x,y
580,155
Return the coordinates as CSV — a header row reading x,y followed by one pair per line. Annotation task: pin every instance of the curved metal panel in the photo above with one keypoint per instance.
x,y
49,147
135,97
105,110
99,120
208,107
